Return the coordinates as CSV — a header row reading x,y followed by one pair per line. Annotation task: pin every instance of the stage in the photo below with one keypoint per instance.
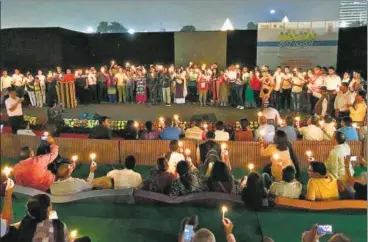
x,y
144,112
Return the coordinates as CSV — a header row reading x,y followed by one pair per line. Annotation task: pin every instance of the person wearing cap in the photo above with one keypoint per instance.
x,y
14,110
320,109
102,130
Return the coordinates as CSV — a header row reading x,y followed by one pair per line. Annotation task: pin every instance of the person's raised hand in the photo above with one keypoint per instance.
x,y
9,187
347,160
50,140
228,226
93,167
316,236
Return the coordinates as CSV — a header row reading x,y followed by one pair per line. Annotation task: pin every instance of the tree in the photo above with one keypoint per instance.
x,y
116,27
251,25
188,28
103,27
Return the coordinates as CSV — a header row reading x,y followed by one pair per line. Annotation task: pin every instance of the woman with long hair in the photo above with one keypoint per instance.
x,y
254,194
149,133
220,179
282,155
36,225
188,181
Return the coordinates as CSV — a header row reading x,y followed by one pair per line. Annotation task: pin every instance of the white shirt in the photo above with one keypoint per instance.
x,y
312,132
28,132
332,82
278,78
231,75
221,135
335,163
343,99
125,178
286,189
70,186
42,79
9,102
17,79
91,78
330,130
271,113
266,131
5,82
173,161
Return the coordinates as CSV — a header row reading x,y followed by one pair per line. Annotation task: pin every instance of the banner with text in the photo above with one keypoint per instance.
x,y
297,44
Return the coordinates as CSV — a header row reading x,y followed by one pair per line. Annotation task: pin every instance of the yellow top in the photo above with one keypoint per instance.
x,y
358,112
322,188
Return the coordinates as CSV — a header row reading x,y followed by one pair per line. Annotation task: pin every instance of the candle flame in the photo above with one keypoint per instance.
x,y
355,125
7,170
308,153
180,144
74,234
251,166
92,156
176,117
45,133
276,156
223,146
161,119
187,151
259,114
297,118
136,124
224,209
74,158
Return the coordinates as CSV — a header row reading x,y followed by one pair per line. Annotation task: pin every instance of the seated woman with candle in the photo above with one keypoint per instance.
x,y
282,155
254,194
221,179
189,180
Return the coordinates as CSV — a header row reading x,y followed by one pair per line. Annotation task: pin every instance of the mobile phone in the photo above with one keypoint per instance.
x,y
188,233
324,229
53,215
353,158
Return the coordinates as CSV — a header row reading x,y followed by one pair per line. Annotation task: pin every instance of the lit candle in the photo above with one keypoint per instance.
x,y
136,124
74,158
259,114
74,234
127,64
7,170
321,123
276,156
187,152
176,117
180,144
161,119
281,122
262,133
223,146
355,125
92,156
45,133
205,126
237,66
224,210
308,153
250,166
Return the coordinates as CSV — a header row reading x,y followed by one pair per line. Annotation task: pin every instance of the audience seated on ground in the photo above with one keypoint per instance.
x,y
289,187
312,131
349,131
254,193
359,183
102,130
127,177
159,179
290,131
32,170
221,179
195,132
173,156
321,186
149,133
189,180
328,126
245,133
26,131
265,131
170,132
130,132
281,154
205,147
64,183
335,161
220,134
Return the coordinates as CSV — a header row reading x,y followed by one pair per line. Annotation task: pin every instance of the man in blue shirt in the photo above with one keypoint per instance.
x,y
350,132
170,132
291,132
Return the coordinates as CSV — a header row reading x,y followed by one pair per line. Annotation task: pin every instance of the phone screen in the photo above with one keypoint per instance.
x,y
188,233
324,229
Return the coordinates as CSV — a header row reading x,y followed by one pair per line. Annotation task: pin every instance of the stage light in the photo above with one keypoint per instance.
x,y
272,11
131,31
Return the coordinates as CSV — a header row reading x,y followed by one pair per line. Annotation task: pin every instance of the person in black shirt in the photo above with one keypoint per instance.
x,y
102,131
101,85
204,148
130,132
80,87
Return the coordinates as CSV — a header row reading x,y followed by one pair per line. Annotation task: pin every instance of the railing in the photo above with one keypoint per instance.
x,y
147,151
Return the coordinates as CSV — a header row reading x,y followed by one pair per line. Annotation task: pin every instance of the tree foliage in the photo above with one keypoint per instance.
x,y
188,28
113,27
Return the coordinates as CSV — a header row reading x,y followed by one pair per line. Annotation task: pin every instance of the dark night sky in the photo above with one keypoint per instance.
x,y
151,15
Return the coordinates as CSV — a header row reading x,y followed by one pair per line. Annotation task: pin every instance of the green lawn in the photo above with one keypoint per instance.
x,y
122,222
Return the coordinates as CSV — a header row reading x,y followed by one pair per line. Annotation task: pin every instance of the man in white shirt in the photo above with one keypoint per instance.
x,y
65,184
289,187
332,83
174,155
14,110
276,95
42,79
18,82
5,83
343,99
220,134
195,133
265,131
271,114
328,126
127,177
92,83
312,131
314,85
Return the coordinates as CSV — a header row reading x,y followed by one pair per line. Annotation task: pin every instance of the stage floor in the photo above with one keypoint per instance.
x,y
144,112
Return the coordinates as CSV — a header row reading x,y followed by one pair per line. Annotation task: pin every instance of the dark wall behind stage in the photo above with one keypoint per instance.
x,y
29,49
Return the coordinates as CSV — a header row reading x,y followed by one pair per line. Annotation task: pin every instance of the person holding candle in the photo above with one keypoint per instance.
x,y
254,194
149,133
14,110
102,130
170,132
290,131
328,126
32,170
282,155
358,110
221,179
265,131
173,156
7,211
312,131
220,134
195,133
349,131
130,132
204,148
289,186
127,177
